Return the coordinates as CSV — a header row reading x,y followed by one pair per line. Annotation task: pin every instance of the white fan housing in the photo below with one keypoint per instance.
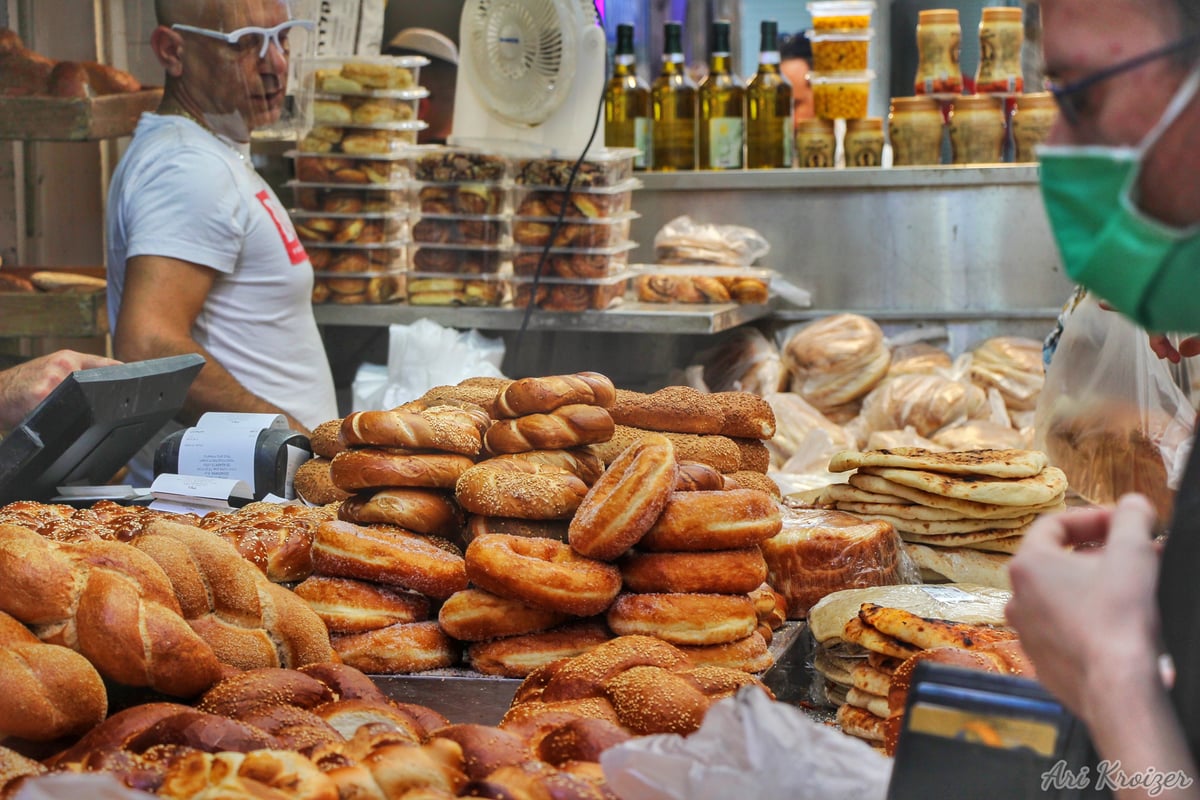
x,y
530,72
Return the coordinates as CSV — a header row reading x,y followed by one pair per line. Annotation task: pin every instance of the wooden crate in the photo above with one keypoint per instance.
x,y
69,314
74,120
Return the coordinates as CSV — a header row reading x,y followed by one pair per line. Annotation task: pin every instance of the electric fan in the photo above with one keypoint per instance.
x,y
530,72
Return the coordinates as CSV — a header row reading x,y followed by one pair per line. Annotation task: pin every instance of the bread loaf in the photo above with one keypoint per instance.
x,y
567,426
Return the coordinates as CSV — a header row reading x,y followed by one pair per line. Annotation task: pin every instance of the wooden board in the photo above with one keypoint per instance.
x,y
74,120
66,314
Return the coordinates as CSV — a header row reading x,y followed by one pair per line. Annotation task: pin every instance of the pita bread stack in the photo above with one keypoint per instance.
x,y
878,644
961,513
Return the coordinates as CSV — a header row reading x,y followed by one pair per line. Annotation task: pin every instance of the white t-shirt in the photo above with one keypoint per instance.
x,y
182,192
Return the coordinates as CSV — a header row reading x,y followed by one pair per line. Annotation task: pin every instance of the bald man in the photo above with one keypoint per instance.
x,y
202,257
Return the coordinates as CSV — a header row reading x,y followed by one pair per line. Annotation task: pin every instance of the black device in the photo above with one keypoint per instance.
x,y
91,424
969,733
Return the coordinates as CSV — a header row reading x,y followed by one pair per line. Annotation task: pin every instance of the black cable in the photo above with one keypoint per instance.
x,y
562,210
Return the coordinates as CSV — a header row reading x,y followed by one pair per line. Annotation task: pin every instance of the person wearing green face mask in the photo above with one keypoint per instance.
x,y
1111,620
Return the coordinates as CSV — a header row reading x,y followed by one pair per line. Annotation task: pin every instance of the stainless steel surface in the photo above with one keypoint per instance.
x,y
631,317
465,696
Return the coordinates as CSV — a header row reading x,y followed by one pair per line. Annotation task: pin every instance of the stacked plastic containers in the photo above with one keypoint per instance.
x,y
585,266
841,37
350,202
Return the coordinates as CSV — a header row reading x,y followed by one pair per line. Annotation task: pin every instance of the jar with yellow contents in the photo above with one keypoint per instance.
x,y
977,129
939,44
1001,36
863,142
1031,123
841,95
915,129
841,15
816,143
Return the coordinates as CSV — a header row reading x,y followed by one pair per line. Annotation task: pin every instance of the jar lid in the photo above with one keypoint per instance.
x,y
934,16
866,124
1002,14
1036,100
976,102
915,104
815,125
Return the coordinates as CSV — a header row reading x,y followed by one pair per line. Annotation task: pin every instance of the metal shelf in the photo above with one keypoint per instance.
x,y
630,317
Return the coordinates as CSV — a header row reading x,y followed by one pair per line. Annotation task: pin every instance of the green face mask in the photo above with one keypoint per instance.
x,y
1146,269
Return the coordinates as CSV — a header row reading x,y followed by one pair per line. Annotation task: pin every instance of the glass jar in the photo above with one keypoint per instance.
x,y
816,143
863,142
1001,35
1031,123
977,129
915,128
939,42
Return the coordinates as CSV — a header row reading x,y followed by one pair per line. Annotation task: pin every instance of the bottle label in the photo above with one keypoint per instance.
x,y
725,136
641,140
789,142
624,60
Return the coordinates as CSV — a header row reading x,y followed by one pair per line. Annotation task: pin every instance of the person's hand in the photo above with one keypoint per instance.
x,y
1084,598
1162,347
24,386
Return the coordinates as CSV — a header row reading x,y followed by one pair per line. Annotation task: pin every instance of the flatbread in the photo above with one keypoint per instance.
x,y
995,463
885,664
962,539
961,602
1048,485
860,723
846,493
926,633
1008,544
963,508
952,526
838,669
866,678
905,510
876,704
962,564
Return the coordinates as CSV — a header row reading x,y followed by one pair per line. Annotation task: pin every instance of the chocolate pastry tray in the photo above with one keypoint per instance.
x,y
464,695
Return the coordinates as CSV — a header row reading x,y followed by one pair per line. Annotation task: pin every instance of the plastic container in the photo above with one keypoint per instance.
x,y
863,142
384,138
449,259
362,76
364,170
653,283
474,199
575,233
345,199
595,202
1032,121
458,165
977,129
361,228
1001,36
571,294
462,229
841,15
358,259
563,262
816,143
841,95
350,109
840,51
601,168
334,287
939,45
915,129
433,289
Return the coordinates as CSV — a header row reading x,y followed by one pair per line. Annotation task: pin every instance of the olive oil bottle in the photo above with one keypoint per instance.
x,y
769,134
627,102
722,107
673,100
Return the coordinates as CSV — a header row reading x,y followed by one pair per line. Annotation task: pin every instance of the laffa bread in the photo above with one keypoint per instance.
x,y
819,552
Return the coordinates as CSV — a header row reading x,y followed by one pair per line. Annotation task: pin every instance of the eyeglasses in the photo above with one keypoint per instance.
x,y
1070,96
252,38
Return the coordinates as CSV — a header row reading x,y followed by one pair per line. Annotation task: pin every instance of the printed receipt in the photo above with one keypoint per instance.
x,y
223,445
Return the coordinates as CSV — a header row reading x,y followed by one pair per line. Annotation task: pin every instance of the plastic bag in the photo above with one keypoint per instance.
x,y
1110,416
1011,365
745,362
423,355
685,241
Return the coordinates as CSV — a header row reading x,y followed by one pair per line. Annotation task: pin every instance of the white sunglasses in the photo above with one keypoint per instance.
x,y
265,35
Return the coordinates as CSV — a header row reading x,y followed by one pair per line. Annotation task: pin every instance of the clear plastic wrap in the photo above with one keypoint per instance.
x,y
1013,366
685,241
983,434
835,360
919,358
803,433
926,403
888,440
747,361
1110,415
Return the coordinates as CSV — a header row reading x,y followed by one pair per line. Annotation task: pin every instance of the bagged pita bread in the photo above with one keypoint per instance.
x,y
835,360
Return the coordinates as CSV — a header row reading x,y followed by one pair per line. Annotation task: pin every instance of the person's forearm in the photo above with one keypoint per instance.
x,y
214,389
1135,730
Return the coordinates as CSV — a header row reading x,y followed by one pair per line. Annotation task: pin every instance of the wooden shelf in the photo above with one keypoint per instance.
x,y
74,120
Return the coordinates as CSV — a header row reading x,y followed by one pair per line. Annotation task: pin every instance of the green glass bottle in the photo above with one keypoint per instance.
x,y
769,134
673,101
722,107
627,102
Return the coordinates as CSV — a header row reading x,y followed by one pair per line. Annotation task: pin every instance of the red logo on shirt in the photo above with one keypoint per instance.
x,y
287,233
